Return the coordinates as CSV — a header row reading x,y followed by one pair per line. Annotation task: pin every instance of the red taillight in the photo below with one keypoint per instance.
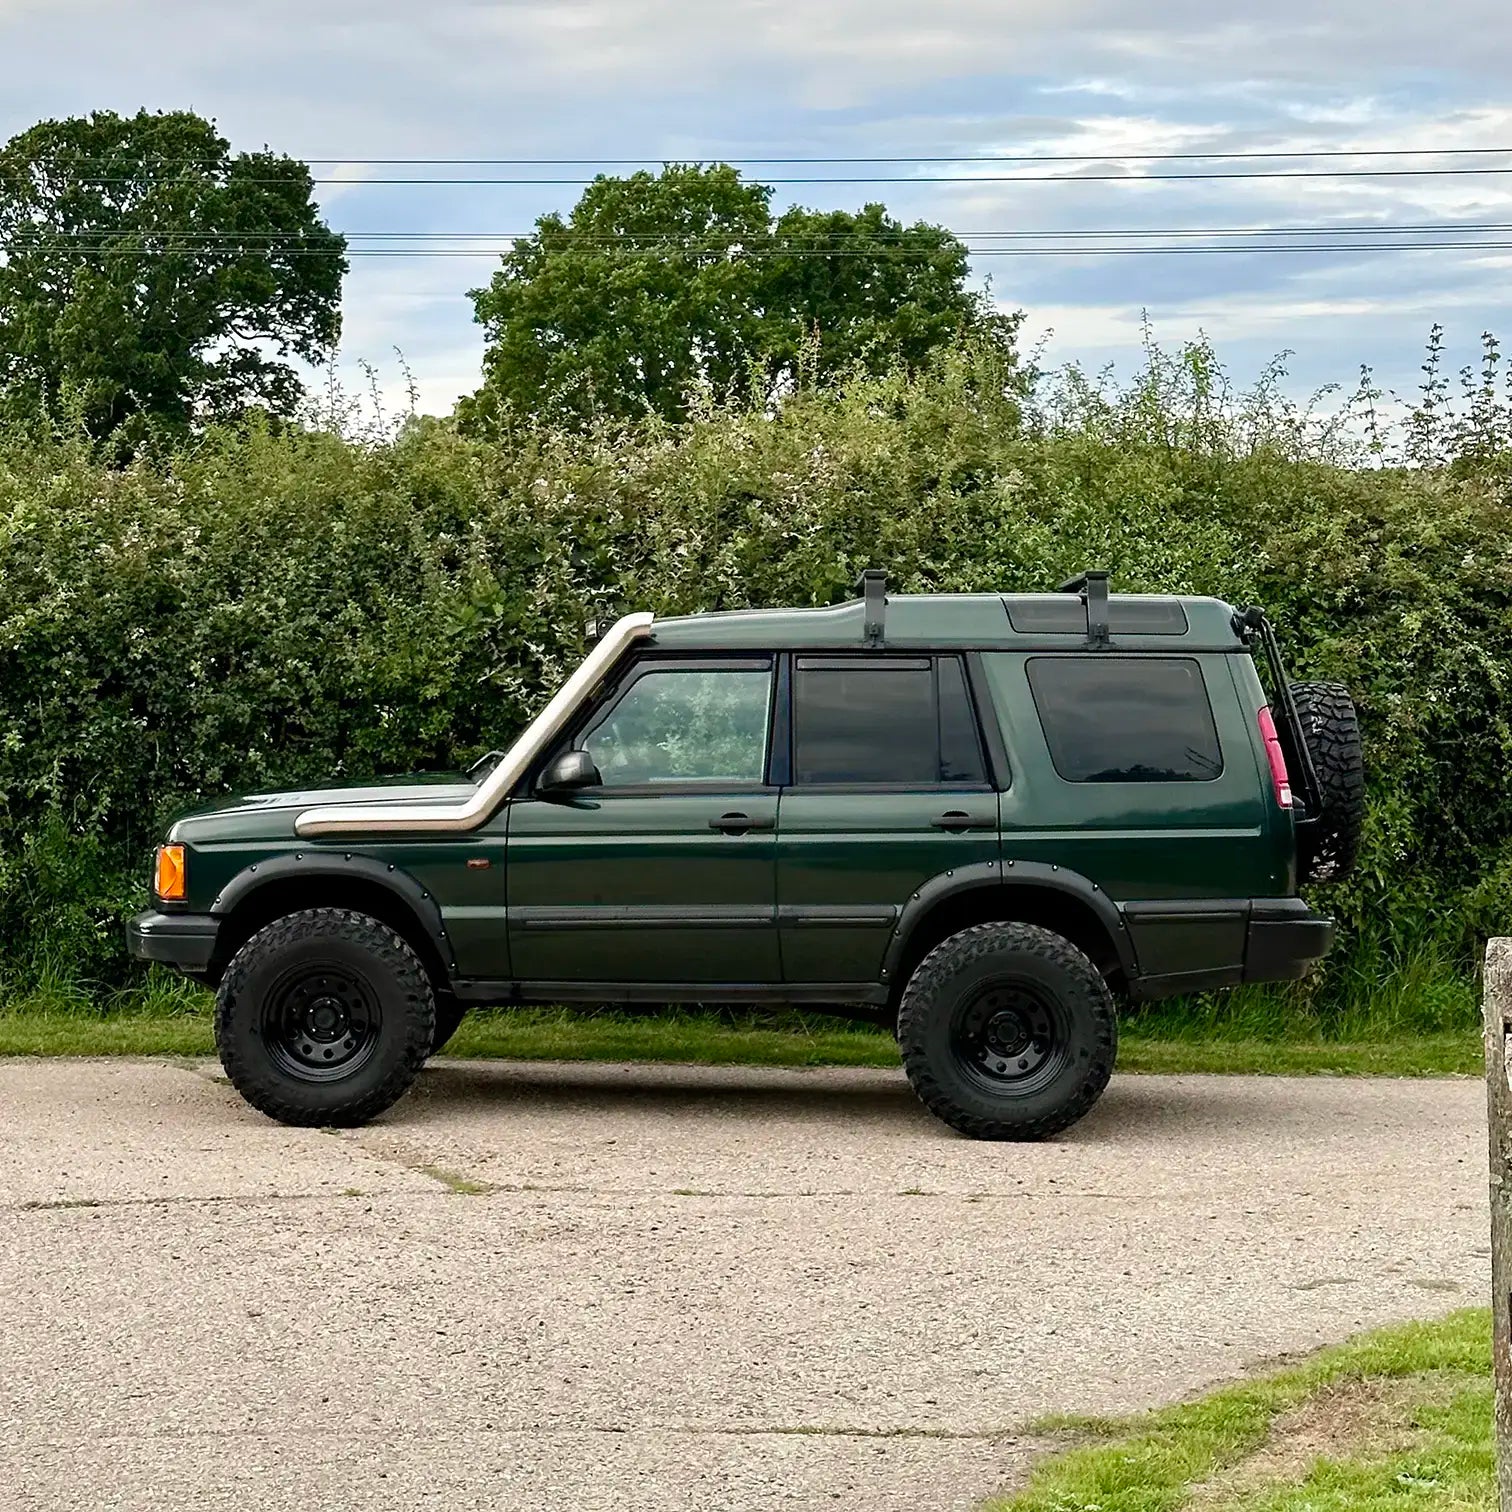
x,y
1280,782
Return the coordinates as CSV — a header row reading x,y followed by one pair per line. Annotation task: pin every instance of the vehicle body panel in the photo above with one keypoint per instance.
x,y
1146,842
948,621
848,861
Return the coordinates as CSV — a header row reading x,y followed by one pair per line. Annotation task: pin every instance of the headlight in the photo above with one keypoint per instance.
x,y
168,873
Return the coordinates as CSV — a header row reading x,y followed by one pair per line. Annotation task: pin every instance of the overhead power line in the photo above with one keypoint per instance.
x,y
1080,249
921,178
779,241
814,158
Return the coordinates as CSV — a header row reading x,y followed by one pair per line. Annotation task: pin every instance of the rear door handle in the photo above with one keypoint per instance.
x,y
958,820
740,824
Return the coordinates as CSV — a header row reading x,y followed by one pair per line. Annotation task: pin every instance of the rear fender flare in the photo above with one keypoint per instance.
x,y
1007,876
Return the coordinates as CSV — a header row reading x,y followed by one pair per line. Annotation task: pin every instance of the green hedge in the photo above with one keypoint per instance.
x,y
269,608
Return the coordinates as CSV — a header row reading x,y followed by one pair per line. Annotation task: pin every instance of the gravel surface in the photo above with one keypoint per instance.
x,y
649,1288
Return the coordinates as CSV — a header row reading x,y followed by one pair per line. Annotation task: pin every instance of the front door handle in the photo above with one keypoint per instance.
x,y
740,824
958,820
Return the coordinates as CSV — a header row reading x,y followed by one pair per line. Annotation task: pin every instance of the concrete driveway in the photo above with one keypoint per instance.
x,y
641,1287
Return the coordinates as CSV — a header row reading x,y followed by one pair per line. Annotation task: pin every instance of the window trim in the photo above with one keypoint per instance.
x,y
780,745
631,673
908,661
1129,782
831,661
989,723
975,723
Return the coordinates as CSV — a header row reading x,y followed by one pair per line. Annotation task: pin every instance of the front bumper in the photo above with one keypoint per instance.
x,y
186,941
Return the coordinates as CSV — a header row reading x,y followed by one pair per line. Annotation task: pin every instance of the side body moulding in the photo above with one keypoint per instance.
x,y
457,818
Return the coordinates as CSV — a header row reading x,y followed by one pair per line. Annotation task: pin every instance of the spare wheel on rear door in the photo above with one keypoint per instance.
x,y
1328,842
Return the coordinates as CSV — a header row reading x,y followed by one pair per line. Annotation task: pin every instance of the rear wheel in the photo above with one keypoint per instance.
x,y
324,1017
1007,1031
1329,843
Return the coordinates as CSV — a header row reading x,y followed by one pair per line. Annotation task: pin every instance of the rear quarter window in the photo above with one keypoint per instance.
x,y
1126,719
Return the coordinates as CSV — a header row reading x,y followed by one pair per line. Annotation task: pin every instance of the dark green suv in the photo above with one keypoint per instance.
x,y
981,819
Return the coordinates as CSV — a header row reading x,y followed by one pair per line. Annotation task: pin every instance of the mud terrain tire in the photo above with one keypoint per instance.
x,y
324,1018
1008,1031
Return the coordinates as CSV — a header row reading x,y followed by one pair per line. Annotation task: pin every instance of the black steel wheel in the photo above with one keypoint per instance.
x,y
1007,1031
321,1022
324,1017
1009,1037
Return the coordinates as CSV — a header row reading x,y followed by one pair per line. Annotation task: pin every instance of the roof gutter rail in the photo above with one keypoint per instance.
x,y
458,818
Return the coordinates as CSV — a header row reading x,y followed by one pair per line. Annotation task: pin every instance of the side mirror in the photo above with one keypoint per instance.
x,y
570,771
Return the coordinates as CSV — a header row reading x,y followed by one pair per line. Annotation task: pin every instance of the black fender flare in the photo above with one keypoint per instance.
x,y
309,865
982,876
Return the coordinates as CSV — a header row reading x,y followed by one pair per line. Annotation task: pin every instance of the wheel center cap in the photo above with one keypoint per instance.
x,y
325,1018
1007,1033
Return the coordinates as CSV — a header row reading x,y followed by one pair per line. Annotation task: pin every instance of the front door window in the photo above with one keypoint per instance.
x,y
684,725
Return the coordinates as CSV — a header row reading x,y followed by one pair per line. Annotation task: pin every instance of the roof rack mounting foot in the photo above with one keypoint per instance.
x,y
1093,588
872,586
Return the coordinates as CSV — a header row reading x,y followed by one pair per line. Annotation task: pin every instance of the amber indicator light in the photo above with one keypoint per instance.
x,y
168,879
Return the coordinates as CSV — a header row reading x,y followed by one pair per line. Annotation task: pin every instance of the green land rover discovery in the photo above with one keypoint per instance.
x,y
981,819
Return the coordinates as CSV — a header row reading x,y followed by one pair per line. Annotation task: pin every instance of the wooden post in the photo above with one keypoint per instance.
x,y
1497,1022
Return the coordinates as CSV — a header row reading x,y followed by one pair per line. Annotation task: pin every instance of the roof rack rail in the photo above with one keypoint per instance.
x,y
1093,588
872,586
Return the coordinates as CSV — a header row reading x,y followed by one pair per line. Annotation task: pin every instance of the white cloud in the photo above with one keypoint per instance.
x,y
825,53
837,52
698,78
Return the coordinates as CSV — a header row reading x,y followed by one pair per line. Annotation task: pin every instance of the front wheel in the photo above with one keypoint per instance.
x,y
1007,1031
324,1018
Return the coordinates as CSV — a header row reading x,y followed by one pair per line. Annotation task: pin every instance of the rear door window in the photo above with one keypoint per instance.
x,y
898,721
1126,719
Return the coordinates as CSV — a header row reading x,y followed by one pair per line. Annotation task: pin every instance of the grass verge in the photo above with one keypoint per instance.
x,y
169,1020
1398,1419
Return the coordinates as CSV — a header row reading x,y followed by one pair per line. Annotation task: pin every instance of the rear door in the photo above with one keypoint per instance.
x,y
887,787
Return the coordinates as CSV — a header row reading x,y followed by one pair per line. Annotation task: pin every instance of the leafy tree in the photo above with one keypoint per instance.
x,y
150,277
871,290
657,284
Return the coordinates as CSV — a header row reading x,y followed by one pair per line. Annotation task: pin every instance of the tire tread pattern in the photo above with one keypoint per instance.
x,y
1332,730
930,984
261,1084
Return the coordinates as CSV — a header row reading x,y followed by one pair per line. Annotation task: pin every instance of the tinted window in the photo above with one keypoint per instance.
x,y
1116,719
883,721
960,744
684,725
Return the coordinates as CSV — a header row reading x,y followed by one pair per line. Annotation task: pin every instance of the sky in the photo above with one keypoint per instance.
x,y
686,80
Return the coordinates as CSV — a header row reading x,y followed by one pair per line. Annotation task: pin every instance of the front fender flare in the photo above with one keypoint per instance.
x,y
311,865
